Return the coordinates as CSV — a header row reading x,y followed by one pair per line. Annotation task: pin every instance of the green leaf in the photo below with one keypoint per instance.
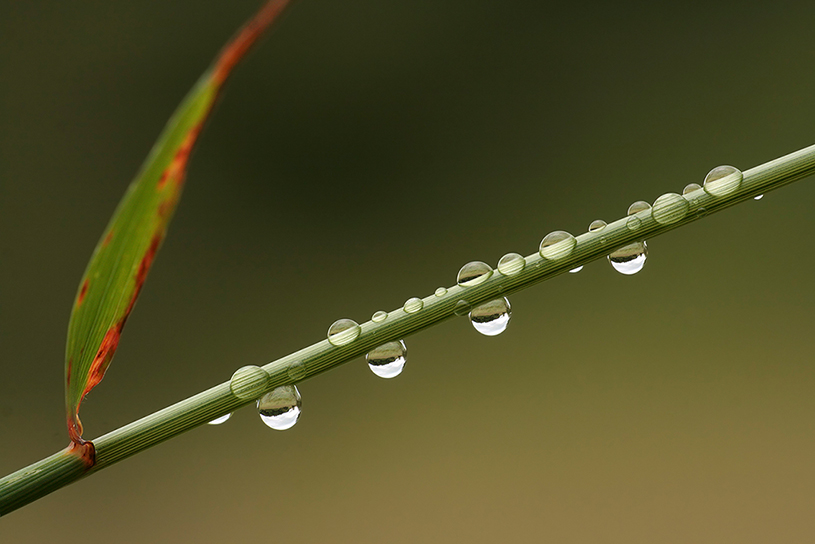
x,y
123,257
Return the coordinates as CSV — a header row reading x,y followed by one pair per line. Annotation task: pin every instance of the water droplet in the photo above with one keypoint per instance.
x,y
557,245
669,208
379,316
691,187
576,270
723,180
388,360
222,419
343,331
629,259
462,308
473,273
280,407
633,223
638,206
511,264
491,318
296,371
441,291
597,225
248,382
759,197
413,305
701,212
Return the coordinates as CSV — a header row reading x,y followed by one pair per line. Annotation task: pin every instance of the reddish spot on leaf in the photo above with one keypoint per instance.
x,y
103,357
70,366
82,292
107,239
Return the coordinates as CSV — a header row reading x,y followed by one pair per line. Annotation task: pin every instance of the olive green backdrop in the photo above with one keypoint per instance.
x,y
363,153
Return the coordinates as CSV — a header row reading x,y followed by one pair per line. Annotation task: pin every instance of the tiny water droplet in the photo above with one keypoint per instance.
x,y
473,273
557,245
691,187
701,212
759,197
296,371
387,360
379,316
248,382
280,407
629,259
511,264
576,270
343,331
633,223
723,180
441,291
222,419
597,225
491,318
413,305
669,208
638,206
462,308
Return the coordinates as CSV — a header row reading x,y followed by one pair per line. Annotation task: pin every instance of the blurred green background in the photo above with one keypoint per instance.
x,y
363,153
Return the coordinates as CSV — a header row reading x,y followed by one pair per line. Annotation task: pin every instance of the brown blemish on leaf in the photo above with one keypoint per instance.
x,y
82,292
85,450
107,239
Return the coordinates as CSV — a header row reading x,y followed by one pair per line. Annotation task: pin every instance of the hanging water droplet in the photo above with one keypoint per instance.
x,y
387,360
629,259
491,318
379,316
222,419
723,180
669,208
597,225
462,308
296,371
280,407
557,245
473,273
759,197
691,187
638,206
248,382
441,291
343,331
576,270
413,305
511,264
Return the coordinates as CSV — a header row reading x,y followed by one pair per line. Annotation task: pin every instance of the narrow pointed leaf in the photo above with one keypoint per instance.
x,y
122,259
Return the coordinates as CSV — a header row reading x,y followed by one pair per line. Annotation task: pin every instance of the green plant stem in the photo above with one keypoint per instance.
x,y
62,468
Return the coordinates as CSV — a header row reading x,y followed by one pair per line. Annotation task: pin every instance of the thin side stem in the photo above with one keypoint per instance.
x,y
62,468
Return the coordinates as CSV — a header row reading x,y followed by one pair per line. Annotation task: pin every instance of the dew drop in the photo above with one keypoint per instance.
x,y
491,318
690,188
511,264
413,305
723,180
759,197
441,291
638,206
387,360
629,259
379,316
633,223
222,419
473,273
597,225
343,331
280,407
576,270
462,308
248,382
296,371
669,208
557,245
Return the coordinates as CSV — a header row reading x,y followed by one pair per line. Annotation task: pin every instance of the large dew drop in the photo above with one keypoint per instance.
x,y
343,331
557,245
511,263
473,273
248,382
222,419
280,407
629,259
413,305
597,225
379,316
670,208
491,318
440,292
723,180
690,188
388,360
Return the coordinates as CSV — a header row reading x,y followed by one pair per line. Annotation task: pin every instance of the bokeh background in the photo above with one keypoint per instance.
x,y
363,153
